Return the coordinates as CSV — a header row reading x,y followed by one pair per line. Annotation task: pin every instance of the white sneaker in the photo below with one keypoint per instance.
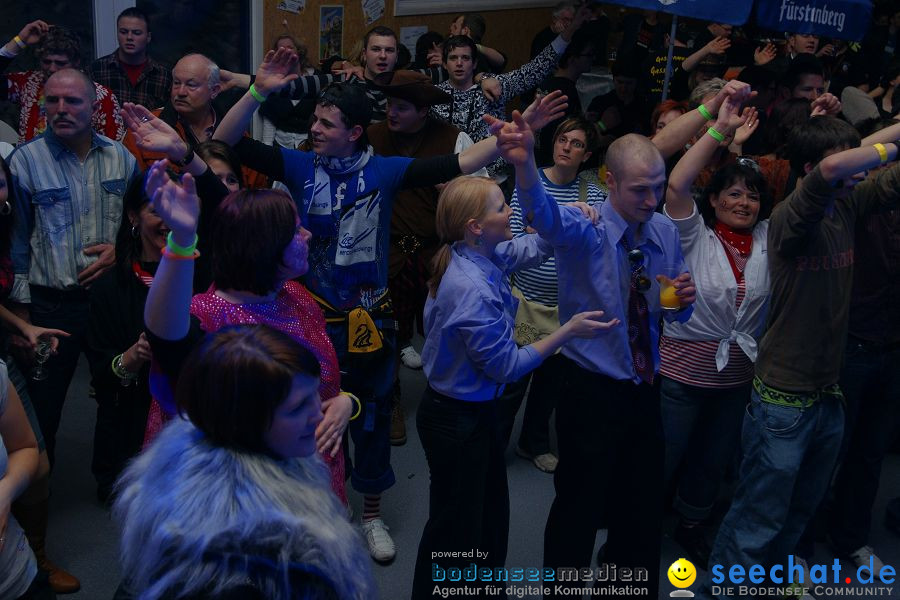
x,y
860,558
381,546
410,358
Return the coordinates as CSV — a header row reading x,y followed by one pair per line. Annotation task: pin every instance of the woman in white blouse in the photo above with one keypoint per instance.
x,y
707,362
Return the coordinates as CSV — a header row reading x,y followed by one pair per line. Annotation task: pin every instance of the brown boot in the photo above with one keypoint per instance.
x,y
33,519
398,423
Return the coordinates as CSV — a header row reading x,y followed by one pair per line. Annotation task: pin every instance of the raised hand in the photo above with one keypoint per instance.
x,y
748,128
435,56
278,69
176,204
515,139
34,31
718,45
738,91
765,54
826,104
729,117
152,133
546,109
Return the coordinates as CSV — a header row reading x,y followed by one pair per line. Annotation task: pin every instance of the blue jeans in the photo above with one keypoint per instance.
x,y
789,455
371,378
702,428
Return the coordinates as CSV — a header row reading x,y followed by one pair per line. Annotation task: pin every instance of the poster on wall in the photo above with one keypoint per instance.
x,y
293,6
331,31
373,10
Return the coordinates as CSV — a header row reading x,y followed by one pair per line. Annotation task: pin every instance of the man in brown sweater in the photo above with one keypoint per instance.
x,y
409,131
794,423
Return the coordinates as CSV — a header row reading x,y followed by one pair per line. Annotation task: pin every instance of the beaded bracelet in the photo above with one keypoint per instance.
x,y
256,95
882,152
704,112
181,250
715,135
358,403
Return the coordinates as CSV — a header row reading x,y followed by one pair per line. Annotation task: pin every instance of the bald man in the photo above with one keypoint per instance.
x,y
191,112
608,418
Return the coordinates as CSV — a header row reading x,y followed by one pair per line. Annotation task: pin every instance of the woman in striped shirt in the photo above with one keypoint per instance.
x,y
707,363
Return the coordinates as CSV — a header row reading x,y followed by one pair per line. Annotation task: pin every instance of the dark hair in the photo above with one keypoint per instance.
x,y
128,246
785,116
758,77
60,40
579,123
302,50
249,233
809,142
6,222
803,64
459,41
726,177
354,104
477,26
135,13
220,150
423,45
867,127
403,57
378,30
234,380
581,41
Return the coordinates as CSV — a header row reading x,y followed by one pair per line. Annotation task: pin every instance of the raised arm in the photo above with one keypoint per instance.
x,y
676,134
717,45
275,72
679,200
167,311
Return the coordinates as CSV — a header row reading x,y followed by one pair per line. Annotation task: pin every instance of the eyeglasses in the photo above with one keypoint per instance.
x,y
746,161
639,279
575,143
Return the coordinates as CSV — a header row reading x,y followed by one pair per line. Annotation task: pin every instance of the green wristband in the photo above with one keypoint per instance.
x,y
180,250
704,112
715,135
256,95
602,126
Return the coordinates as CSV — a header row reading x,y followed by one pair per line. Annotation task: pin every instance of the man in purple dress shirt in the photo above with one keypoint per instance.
x,y
608,418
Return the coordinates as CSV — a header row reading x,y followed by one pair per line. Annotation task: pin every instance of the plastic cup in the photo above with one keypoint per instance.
x,y
668,298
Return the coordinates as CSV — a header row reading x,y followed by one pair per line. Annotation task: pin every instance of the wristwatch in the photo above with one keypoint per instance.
x,y
186,160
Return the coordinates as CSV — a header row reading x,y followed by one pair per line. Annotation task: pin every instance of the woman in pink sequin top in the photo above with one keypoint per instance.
x,y
256,248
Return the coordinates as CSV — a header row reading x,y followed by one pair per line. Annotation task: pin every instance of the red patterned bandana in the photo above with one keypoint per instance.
x,y
738,245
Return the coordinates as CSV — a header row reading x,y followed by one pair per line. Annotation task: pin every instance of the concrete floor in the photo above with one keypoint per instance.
x,y
84,540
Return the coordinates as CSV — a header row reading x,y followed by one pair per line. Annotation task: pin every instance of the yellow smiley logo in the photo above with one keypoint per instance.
x,y
682,573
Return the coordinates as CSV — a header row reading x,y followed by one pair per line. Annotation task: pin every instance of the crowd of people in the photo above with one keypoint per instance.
x,y
698,282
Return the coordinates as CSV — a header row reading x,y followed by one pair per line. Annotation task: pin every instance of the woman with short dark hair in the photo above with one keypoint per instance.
x,y
707,363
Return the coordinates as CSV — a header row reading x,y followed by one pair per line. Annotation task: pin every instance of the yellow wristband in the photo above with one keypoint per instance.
x,y
21,44
357,401
882,152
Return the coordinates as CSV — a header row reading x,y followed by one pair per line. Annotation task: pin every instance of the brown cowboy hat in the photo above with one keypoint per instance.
x,y
411,86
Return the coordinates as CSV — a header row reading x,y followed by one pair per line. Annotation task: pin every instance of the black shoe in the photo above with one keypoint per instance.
x,y
693,541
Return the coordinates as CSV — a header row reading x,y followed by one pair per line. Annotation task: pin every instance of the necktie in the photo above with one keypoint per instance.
x,y
638,323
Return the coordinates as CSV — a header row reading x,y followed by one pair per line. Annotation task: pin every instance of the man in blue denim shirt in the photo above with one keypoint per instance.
x,y
68,188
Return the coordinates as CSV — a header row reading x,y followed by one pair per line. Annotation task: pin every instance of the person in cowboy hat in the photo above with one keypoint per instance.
x,y
409,131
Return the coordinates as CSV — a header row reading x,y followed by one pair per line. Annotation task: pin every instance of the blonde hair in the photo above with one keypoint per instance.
x,y
462,199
